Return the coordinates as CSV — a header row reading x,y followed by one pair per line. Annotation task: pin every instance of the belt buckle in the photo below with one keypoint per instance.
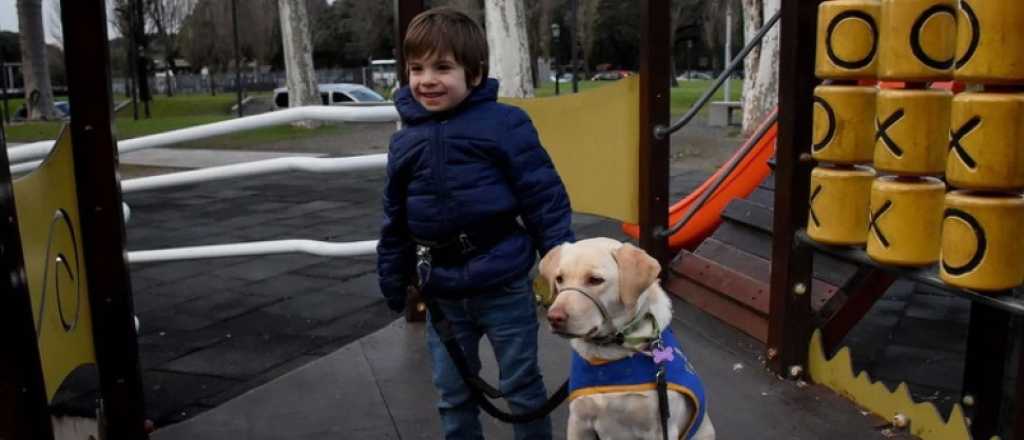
x,y
467,246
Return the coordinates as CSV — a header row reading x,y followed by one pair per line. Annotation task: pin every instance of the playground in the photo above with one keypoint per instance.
x,y
231,293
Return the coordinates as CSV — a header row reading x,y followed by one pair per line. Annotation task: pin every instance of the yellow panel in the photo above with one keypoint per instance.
x,y
981,246
847,39
844,124
986,135
925,420
905,220
593,138
917,40
988,47
47,207
912,129
838,206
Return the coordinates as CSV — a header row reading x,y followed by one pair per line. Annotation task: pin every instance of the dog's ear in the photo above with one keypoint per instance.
x,y
637,271
549,265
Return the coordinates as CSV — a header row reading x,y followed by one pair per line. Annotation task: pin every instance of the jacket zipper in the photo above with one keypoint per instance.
x,y
440,157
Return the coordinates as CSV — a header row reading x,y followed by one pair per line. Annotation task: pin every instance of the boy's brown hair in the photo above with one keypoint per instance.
x,y
444,30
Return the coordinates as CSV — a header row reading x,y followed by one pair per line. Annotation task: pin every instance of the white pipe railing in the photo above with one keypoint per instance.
x,y
261,167
312,247
38,150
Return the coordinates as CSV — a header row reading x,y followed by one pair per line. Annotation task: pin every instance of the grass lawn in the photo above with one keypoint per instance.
x,y
171,114
190,110
682,97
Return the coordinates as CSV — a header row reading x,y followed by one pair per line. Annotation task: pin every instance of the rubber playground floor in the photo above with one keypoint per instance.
x,y
297,346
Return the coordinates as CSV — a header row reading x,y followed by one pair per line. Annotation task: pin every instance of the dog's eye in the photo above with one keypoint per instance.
x,y
593,280
558,279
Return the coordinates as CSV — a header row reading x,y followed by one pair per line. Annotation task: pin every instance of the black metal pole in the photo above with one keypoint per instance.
x,y
4,84
87,58
655,72
132,54
238,55
142,70
572,43
24,412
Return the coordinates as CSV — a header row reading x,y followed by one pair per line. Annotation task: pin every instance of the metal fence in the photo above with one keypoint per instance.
x,y
189,83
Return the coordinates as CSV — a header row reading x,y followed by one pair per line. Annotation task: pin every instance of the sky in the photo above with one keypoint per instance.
x,y
8,15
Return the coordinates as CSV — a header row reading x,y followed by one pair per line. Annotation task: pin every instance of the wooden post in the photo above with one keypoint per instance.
x,y
989,346
655,77
87,58
789,327
24,412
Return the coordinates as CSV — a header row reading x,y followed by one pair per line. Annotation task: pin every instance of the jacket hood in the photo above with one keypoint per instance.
x,y
412,112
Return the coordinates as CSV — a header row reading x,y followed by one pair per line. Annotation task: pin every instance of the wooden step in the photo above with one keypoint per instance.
x,y
730,312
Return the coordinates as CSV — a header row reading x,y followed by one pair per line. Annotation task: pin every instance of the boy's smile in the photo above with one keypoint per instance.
x,y
439,83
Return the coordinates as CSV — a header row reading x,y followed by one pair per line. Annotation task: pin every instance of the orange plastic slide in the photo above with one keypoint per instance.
x,y
748,174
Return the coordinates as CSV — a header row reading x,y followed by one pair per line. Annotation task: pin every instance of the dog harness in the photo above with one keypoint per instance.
x,y
639,373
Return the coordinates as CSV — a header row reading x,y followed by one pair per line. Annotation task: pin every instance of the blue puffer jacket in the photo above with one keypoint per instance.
x,y
469,169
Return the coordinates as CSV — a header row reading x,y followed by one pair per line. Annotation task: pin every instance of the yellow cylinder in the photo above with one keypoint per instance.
x,y
912,131
838,211
844,124
981,241
847,39
917,40
986,136
987,44
905,220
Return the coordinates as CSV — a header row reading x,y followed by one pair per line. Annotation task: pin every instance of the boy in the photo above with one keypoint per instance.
x,y
460,173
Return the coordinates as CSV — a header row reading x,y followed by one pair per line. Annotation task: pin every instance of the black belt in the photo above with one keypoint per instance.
x,y
465,243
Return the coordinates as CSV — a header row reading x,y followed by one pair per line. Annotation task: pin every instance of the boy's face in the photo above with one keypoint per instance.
x,y
439,83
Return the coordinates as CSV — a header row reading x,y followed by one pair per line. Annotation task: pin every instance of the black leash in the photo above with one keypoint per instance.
x,y
663,410
479,388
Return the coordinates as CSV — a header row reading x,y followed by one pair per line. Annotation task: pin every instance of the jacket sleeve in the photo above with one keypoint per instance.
x,y
543,202
395,251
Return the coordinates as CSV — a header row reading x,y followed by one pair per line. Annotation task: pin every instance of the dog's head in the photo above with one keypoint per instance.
x,y
611,272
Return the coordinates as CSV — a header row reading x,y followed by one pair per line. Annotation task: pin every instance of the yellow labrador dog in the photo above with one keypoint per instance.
x,y
616,315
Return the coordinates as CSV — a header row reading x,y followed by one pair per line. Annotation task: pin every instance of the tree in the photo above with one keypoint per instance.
x,y
34,66
587,15
167,17
761,68
509,49
298,57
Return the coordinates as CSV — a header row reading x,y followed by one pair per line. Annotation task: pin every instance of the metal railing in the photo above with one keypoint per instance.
x,y
263,167
38,150
661,131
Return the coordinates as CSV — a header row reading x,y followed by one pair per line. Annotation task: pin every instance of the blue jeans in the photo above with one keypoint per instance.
x,y
509,319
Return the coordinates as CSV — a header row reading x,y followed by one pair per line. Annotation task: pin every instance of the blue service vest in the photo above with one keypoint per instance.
x,y
637,373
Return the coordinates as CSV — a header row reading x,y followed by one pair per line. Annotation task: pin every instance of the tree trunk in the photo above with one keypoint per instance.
x,y
761,68
510,51
298,57
35,69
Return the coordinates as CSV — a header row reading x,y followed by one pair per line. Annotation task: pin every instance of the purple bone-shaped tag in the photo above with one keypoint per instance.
x,y
663,355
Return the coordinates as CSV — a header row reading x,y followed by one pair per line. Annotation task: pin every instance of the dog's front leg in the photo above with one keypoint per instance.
x,y
580,430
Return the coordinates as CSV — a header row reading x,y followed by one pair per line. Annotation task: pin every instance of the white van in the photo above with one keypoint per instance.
x,y
334,94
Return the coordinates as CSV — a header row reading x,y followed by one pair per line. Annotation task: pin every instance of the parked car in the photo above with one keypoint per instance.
x,y
334,94
566,77
60,108
611,75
